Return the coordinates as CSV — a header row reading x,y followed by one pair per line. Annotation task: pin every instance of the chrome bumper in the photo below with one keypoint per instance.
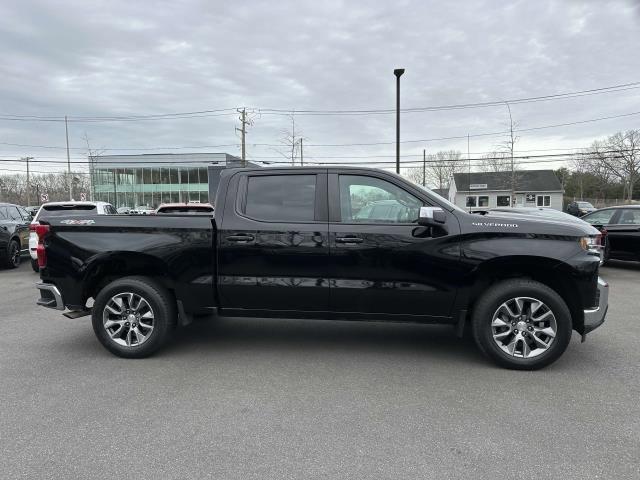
x,y
49,296
593,318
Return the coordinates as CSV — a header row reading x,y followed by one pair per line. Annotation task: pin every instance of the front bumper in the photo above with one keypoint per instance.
x,y
594,317
50,296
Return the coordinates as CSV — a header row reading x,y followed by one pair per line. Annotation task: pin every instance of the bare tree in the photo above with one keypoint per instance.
x,y
13,188
92,157
508,146
499,161
620,155
290,140
440,167
582,165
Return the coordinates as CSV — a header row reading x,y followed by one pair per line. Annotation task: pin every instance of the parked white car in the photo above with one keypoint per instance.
x,y
53,209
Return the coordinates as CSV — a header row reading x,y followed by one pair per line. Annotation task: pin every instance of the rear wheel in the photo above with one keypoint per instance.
x,y
34,265
12,255
133,316
521,324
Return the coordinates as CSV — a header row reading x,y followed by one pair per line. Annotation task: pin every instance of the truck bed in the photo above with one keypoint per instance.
x,y
177,248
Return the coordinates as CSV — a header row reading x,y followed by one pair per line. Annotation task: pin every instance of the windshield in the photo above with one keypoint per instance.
x,y
585,205
62,210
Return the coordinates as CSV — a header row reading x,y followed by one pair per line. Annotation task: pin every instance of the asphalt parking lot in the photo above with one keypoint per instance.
x,y
265,399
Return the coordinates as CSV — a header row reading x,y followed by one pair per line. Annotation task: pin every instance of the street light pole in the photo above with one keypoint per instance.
x,y
398,73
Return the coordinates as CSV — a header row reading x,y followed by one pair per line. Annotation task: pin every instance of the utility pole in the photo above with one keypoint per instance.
x,y
511,146
66,131
424,167
28,181
243,132
301,154
468,153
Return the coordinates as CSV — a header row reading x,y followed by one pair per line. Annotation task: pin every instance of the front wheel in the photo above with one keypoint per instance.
x,y
133,316
521,324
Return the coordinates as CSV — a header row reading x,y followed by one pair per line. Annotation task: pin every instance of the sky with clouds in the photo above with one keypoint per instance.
x,y
124,58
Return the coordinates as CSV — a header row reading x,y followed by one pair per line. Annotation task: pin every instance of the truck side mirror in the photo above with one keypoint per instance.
x,y
431,217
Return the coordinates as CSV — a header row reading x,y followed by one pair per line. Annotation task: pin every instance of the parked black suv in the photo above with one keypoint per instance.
x,y
14,234
578,209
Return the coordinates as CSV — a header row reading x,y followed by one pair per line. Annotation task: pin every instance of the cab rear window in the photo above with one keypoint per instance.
x,y
187,210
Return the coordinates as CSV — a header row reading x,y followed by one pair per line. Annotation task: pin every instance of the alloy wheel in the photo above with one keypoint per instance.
x,y
14,254
524,327
128,319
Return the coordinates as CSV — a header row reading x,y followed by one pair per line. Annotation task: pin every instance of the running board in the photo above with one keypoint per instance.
x,y
77,313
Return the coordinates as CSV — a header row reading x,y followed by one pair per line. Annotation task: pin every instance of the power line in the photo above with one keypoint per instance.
x,y
99,120
382,164
276,111
58,147
363,144
112,163
559,96
237,145
105,160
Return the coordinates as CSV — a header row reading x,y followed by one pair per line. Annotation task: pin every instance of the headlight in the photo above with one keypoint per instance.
x,y
592,244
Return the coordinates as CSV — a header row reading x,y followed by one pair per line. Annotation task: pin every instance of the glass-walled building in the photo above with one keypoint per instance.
x,y
148,180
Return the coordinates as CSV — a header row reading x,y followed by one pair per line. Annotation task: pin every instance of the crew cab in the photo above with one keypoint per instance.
x,y
305,243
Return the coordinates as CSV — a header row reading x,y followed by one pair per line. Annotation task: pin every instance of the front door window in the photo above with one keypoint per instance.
x,y
372,200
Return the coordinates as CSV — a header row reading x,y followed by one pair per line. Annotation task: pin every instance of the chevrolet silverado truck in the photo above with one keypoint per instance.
x,y
328,243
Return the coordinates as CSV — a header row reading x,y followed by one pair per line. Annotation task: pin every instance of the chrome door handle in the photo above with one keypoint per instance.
x,y
241,237
349,240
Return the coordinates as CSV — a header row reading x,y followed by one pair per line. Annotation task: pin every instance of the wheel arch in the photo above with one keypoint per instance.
x,y
555,274
113,266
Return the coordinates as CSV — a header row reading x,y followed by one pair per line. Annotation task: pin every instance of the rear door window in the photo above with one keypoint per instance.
x,y
630,216
281,198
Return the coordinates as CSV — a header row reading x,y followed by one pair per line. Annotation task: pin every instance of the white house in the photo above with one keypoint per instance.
x,y
479,191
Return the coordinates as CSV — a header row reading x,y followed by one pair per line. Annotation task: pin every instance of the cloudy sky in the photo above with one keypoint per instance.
x,y
125,59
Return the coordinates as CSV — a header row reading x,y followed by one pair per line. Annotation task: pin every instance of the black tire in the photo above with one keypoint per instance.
x,y
494,297
12,255
163,307
606,256
34,265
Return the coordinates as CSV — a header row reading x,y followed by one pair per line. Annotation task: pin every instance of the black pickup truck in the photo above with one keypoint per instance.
x,y
328,243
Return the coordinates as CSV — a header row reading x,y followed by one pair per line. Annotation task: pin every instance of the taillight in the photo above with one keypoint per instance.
x,y
32,227
41,231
